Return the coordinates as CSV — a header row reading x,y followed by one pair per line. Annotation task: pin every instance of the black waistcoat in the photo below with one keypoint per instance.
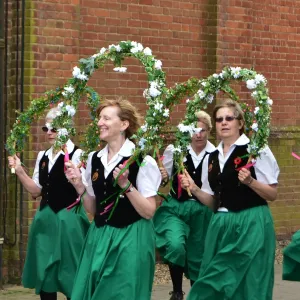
x,y
229,191
124,213
57,192
195,173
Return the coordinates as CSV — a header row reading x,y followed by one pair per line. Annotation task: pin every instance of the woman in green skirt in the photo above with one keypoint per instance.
x,y
56,235
291,259
118,258
181,221
238,260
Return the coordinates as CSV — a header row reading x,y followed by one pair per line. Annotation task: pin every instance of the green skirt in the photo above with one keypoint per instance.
x,y
238,261
53,251
181,229
117,263
291,259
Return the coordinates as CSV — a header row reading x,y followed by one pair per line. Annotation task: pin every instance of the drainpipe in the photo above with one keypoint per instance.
x,y
1,245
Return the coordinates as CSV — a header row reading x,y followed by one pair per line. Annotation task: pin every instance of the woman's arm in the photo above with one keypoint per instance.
x,y
27,182
74,175
145,206
266,191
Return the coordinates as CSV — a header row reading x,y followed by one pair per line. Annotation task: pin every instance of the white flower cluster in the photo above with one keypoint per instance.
x,y
253,83
116,47
62,132
136,47
68,90
120,69
235,72
191,129
142,142
69,108
78,74
157,64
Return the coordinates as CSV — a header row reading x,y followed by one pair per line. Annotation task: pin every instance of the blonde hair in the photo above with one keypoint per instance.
x,y
205,118
237,112
127,112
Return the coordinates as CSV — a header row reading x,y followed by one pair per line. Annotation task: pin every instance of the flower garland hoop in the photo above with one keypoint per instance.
x,y
257,121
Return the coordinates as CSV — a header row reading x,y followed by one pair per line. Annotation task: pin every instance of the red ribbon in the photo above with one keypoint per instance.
x,y
295,155
179,191
247,166
66,158
74,203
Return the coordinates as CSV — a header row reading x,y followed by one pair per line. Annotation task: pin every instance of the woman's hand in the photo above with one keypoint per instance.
x,y
123,179
187,181
164,174
245,176
73,175
14,162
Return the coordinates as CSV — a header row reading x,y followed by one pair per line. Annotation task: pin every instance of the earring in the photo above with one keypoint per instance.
x,y
122,132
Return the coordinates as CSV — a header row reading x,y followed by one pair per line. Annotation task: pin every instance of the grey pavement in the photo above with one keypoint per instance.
x,y
283,290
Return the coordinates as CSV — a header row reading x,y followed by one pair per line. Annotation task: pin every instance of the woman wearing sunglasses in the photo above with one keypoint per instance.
x,y
238,261
118,258
56,235
181,222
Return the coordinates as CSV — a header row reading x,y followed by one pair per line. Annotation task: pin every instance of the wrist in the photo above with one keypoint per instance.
x,y
125,186
250,181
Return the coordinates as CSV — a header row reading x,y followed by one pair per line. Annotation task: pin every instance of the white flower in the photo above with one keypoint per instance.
x,y
58,113
177,149
269,101
221,75
147,51
64,94
256,109
140,47
260,79
235,72
254,126
111,46
197,130
118,48
158,106
96,55
49,126
204,83
210,98
215,75
183,128
251,84
69,89
134,50
102,50
157,64
254,94
142,143
201,94
166,113
76,72
154,84
187,100
134,44
145,93
153,92
71,110
60,105
120,69
62,132
144,127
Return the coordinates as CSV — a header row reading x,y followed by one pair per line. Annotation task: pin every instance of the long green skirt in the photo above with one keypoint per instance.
x,y
181,229
291,259
238,261
117,263
53,251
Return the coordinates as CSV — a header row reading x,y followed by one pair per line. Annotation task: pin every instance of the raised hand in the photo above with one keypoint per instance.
x,y
186,181
14,162
123,179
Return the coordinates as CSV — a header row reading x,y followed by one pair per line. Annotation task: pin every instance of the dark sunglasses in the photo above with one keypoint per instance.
x,y
227,118
45,129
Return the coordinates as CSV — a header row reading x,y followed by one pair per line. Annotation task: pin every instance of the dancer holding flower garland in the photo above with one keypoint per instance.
x,y
238,260
181,221
118,258
56,235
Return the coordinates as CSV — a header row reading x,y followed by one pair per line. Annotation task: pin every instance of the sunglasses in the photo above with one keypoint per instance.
x,y
45,129
227,118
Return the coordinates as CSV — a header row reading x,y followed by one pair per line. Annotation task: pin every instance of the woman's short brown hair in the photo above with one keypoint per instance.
x,y
127,112
237,112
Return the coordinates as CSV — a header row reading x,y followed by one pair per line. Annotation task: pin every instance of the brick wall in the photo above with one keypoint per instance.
x,y
192,38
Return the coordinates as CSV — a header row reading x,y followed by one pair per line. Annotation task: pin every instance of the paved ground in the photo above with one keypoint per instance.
x,y
283,290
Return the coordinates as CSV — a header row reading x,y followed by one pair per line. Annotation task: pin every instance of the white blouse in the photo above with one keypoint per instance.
x,y
266,167
168,156
148,177
70,147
